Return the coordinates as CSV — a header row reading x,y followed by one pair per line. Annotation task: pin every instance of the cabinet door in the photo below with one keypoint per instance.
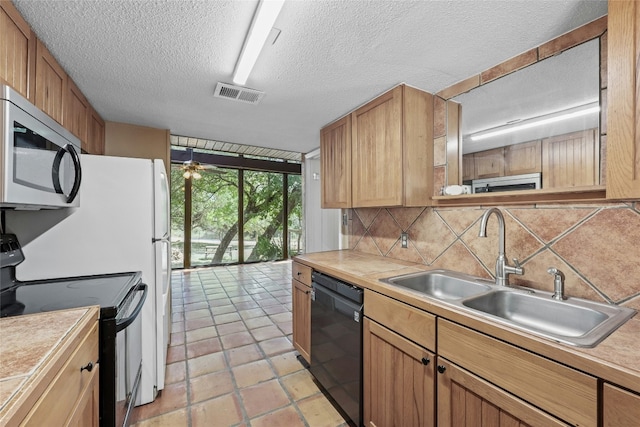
x,y
467,400
468,167
335,163
51,83
377,169
17,50
620,408
76,116
623,100
523,158
399,383
570,160
489,163
301,305
95,137
86,413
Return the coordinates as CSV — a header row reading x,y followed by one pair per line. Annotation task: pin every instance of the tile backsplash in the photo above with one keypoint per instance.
x,y
597,246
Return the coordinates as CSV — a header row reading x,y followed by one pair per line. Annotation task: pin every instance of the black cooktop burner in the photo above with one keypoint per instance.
x,y
107,291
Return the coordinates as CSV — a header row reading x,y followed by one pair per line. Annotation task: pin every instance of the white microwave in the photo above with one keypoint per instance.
x,y
39,158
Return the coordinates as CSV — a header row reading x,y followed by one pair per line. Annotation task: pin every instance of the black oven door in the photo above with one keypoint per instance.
x,y
129,354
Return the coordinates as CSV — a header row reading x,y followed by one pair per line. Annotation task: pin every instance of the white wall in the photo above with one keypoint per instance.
x,y
322,226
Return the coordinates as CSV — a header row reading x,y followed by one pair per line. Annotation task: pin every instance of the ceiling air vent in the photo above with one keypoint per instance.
x,y
238,93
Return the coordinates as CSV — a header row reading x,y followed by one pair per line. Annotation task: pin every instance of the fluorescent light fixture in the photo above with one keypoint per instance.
x,y
263,21
540,121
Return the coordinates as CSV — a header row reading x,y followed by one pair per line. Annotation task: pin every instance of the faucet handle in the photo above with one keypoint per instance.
x,y
517,263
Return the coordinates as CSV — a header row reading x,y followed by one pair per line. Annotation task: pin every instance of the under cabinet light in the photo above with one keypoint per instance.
x,y
263,21
539,121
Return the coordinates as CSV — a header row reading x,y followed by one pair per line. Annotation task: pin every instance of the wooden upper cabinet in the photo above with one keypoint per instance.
x,y
17,51
523,158
76,113
623,100
468,167
335,163
51,84
489,163
96,131
392,150
571,160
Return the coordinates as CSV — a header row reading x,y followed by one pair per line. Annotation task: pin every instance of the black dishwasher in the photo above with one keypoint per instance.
x,y
336,342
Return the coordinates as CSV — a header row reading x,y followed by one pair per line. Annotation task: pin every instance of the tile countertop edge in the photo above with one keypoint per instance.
x,y
615,360
39,376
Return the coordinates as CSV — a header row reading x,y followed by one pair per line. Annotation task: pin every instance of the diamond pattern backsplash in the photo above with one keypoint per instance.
x,y
596,246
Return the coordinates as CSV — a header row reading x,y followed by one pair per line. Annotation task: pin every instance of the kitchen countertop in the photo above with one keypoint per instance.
x,y
616,359
28,345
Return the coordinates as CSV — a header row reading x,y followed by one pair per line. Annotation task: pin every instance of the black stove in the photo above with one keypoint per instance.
x,y
108,291
120,297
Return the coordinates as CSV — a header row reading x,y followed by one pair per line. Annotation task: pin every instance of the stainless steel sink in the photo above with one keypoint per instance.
x,y
572,321
441,284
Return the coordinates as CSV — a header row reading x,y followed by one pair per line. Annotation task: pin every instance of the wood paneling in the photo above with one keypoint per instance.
x,y
564,392
620,407
399,380
417,325
17,51
467,400
335,163
377,151
571,160
623,110
301,306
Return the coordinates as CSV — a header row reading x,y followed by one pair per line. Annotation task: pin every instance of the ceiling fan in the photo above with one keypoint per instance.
x,y
192,168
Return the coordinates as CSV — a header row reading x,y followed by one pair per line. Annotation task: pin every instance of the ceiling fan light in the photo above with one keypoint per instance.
x,y
196,175
263,21
187,174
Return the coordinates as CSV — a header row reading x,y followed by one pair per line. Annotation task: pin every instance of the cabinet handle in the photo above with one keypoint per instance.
x,y
88,367
425,361
299,273
441,369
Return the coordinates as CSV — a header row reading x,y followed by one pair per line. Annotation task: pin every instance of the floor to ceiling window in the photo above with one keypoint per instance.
x,y
234,213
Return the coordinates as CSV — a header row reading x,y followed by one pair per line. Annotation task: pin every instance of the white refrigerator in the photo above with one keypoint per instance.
x,y
122,225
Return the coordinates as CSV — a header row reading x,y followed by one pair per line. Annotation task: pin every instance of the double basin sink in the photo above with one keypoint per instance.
x,y
572,321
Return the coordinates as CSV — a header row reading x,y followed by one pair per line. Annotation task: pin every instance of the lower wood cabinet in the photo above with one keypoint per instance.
x,y
85,413
399,380
621,408
465,399
301,305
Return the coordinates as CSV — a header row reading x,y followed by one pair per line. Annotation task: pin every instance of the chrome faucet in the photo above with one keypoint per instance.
x,y
558,283
503,269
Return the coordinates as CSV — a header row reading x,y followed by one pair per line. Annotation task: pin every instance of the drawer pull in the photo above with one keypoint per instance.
x,y
425,361
88,367
441,369
299,273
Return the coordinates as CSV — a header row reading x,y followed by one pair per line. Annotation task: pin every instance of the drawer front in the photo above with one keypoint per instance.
x,y
410,322
302,273
59,399
564,392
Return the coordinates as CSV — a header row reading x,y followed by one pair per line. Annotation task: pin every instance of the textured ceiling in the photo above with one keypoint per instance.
x,y
156,63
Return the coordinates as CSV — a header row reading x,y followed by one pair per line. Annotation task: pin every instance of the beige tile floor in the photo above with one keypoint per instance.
x,y
231,361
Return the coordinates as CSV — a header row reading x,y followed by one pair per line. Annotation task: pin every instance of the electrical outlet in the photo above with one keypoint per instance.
x,y
404,239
